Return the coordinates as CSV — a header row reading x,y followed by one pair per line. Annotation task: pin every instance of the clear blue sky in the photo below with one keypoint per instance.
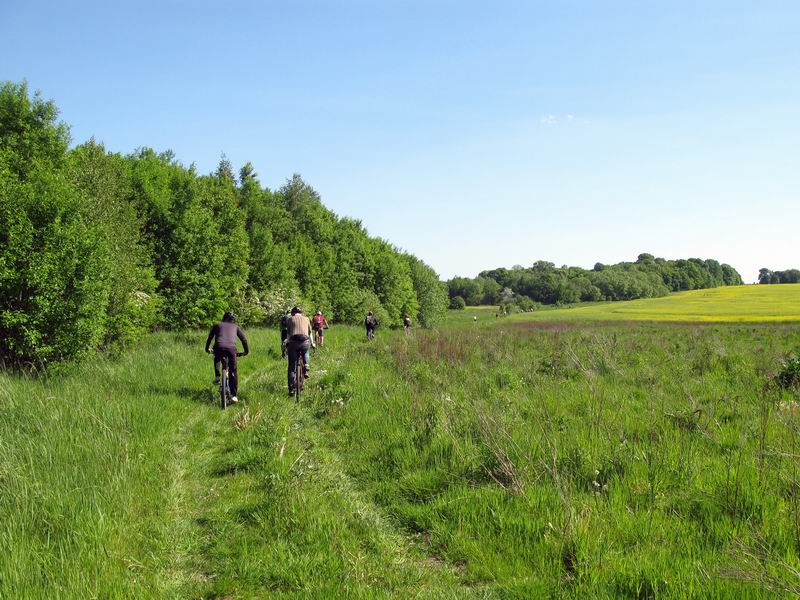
x,y
473,134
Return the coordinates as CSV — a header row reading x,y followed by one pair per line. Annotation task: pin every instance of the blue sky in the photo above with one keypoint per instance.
x,y
473,134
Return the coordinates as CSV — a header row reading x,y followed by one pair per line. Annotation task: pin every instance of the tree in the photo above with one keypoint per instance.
x,y
457,303
105,180
54,253
431,293
31,137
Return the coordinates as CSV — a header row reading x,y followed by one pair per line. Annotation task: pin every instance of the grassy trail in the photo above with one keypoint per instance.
x,y
150,490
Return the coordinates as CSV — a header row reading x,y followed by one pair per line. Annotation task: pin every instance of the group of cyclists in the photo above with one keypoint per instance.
x,y
299,334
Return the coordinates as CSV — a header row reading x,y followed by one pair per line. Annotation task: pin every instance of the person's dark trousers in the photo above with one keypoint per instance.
x,y
370,330
295,347
233,379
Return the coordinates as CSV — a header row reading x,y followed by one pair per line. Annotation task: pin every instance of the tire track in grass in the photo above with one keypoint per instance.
x,y
182,575
405,551
285,518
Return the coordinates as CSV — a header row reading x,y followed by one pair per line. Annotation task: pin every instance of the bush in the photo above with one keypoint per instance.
x,y
366,301
457,303
54,287
268,307
789,375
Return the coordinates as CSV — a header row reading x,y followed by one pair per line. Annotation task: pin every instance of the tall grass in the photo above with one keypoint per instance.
x,y
601,461
605,461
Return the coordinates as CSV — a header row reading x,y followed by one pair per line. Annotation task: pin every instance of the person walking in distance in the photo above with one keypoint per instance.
x,y
224,335
299,340
370,322
406,324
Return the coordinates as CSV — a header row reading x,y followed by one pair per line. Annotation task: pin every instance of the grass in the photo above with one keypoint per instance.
x,y
744,303
123,479
627,460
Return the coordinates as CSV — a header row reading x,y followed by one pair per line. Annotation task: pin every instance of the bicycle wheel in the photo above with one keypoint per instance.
x,y
299,377
223,387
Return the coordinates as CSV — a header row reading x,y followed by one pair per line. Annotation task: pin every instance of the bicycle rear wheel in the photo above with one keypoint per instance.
x,y
299,376
223,387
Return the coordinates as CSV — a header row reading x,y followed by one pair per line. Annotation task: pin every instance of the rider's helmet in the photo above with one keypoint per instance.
x,y
319,312
296,310
229,317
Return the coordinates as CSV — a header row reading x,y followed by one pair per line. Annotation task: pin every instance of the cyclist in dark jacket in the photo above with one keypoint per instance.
x,y
224,335
370,322
285,331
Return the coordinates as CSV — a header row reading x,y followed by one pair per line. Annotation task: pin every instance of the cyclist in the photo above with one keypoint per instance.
x,y
299,340
406,324
370,322
318,324
285,331
224,335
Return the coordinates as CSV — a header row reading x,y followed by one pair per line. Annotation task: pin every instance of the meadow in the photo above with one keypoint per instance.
x,y
741,303
515,459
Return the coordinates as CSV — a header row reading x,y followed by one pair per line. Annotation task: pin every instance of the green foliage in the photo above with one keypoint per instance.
x,y
789,375
30,136
268,307
788,276
55,255
54,289
104,178
365,301
431,293
457,303
98,247
543,282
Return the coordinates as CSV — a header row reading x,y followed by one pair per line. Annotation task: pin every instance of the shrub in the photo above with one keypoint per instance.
x,y
366,301
789,375
268,307
54,288
457,303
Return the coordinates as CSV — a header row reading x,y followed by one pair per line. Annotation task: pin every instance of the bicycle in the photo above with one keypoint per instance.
x,y
224,383
299,375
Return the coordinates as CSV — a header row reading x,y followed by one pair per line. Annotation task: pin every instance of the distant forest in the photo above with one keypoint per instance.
x,y
788,276
97,247
544,283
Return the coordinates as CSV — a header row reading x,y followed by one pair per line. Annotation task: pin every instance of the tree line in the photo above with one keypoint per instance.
x,y
544,283
98,247
788,276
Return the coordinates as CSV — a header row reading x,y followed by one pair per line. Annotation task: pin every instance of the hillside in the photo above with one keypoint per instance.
x,y
544,283
751,303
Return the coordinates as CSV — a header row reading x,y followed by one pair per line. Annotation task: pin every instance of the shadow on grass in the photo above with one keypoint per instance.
x,y
201,395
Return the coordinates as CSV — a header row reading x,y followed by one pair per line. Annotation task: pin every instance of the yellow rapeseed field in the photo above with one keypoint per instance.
x,y
743,303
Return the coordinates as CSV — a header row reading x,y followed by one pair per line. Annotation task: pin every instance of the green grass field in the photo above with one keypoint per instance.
x,y
573,460
746,303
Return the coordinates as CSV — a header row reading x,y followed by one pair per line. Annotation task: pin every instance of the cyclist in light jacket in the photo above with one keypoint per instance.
x,y
299,340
